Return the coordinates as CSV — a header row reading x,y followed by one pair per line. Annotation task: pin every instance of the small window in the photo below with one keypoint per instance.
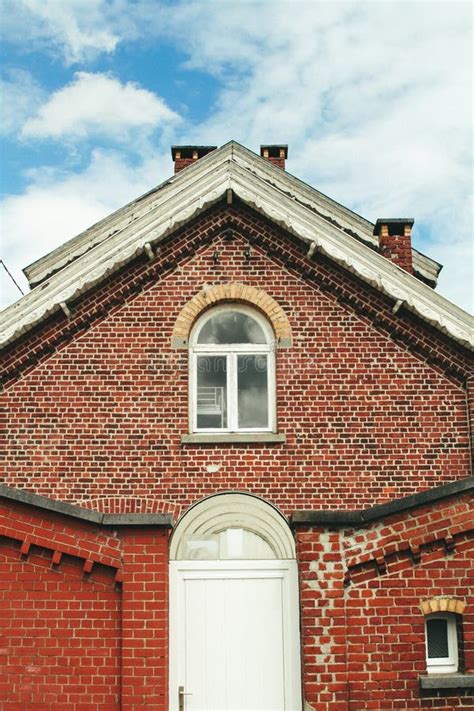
x,y
232,372
441,643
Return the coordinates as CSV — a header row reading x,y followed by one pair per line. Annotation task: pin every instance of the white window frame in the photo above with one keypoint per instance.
x,y
449,664
231,351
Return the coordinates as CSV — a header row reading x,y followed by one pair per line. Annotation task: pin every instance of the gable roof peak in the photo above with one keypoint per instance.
x,y
319,222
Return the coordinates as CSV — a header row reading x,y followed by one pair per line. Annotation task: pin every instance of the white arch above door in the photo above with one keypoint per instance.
x,y
213,516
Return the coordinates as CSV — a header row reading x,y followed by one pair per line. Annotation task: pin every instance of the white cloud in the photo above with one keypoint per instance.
x,y
56,207
80,31
21,96
98,104
374,100
77,29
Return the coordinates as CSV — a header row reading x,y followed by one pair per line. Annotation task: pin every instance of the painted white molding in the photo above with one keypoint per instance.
x,y
282,180
199,594
222,511
112,243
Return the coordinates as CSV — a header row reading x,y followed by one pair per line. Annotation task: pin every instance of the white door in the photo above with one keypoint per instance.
x,y
234,636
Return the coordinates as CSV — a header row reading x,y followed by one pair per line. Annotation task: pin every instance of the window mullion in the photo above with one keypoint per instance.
x,y
232,390
193,389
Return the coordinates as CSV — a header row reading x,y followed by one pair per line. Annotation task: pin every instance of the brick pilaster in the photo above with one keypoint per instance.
x,y
145,620
323,621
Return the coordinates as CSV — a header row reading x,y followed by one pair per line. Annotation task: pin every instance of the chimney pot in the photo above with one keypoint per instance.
x,y
275,153
395,240
186,155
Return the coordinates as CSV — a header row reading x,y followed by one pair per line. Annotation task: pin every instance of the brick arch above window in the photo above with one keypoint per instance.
x,y
442,604
232,292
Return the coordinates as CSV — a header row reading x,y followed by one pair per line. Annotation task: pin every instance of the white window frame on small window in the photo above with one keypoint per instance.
x,y
449,664
231,353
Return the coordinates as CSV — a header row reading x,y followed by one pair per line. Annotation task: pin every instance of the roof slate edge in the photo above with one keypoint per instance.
x,y
190,199
381,511
24,496
72,249
37,271
422,264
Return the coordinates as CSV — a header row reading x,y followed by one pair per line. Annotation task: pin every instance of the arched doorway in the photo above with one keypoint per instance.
x,y
234,613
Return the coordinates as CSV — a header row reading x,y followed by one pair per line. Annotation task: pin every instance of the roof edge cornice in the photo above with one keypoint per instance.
x,y
381,511
56,506
199,192
328,208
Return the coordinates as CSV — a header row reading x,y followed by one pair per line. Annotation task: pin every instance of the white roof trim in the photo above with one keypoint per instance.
x,y
197,188
281,179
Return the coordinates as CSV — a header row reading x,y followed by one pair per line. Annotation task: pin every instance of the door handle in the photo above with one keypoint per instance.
x,y
181,694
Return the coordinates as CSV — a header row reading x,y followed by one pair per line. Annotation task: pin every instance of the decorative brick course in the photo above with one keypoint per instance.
x,y
232,292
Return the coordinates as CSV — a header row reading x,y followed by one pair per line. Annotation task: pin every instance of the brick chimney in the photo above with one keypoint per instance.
x,y
395,240
276,154
186,155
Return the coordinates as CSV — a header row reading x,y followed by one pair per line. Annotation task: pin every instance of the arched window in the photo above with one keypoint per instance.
x,y
232,527
232,372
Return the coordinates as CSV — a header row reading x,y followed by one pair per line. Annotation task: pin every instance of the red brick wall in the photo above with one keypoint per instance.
x,y
59,637
59,614
83,614
323,619
397,248
95,636
363,642
411,558
366,417
145,619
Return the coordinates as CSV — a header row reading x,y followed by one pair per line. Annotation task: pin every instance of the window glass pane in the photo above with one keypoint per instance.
x,y
231,327
252,382
211,398
231,544
437,631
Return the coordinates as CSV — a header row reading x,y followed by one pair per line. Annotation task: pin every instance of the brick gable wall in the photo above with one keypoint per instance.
x,y
366,417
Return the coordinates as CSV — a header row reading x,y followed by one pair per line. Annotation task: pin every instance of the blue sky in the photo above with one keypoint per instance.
x,y
373,98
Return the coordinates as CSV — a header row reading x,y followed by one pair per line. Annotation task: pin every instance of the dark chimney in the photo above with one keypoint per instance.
x,y
185,155
395,240
276,154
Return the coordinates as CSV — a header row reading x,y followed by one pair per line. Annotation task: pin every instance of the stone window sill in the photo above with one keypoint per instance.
x,y
447,681
233,438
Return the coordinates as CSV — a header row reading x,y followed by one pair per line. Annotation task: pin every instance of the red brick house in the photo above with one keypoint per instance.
x,y
238,466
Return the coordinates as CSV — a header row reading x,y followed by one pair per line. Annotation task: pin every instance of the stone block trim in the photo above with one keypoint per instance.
x,y
442,604
232,291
